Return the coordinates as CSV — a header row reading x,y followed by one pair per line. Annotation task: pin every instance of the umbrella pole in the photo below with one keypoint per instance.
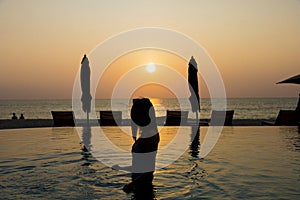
x,y
298,105
87,118
298,112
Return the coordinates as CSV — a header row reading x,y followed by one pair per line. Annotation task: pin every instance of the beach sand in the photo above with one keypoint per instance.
x,y
35,123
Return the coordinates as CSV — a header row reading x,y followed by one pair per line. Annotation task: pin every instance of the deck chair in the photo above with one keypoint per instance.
x,y
221,117
284,117
63,118
110,118
176,118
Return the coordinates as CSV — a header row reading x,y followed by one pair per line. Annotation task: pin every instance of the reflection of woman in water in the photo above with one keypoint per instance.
x,y
145,147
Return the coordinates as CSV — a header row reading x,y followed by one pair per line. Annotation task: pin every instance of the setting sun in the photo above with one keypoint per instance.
x,y
150,68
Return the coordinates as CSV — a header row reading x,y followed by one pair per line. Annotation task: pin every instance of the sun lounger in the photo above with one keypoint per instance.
x,y
110,118
284,117
176,118
63,118
221,117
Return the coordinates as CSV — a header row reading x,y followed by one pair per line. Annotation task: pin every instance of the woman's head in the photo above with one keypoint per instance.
x,y
142,112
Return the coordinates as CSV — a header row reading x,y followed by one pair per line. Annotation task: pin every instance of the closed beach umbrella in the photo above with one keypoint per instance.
x,y
85,74
294,80
193,86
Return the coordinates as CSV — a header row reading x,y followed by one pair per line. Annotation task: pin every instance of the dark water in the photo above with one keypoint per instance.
x,y
246,163
245,108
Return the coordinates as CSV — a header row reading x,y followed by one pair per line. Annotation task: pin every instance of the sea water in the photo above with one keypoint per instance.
x,y
245,108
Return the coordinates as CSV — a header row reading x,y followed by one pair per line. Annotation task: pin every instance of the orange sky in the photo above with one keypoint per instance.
x,y
141,58
254,43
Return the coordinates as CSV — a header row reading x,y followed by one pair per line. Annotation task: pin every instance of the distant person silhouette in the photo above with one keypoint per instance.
x,y
22,116
14,116
144,149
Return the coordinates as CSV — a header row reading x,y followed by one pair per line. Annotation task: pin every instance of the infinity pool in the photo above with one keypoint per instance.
x,y
246,163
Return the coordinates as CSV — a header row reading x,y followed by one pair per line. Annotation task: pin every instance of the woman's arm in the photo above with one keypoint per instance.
x,y
134,130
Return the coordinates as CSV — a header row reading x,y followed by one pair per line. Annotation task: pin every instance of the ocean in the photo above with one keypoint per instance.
x,y
245,108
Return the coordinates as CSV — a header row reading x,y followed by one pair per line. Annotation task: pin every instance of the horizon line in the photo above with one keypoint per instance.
x,y
32,99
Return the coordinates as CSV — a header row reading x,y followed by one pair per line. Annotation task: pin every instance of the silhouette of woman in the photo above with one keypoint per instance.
x,y
144,149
